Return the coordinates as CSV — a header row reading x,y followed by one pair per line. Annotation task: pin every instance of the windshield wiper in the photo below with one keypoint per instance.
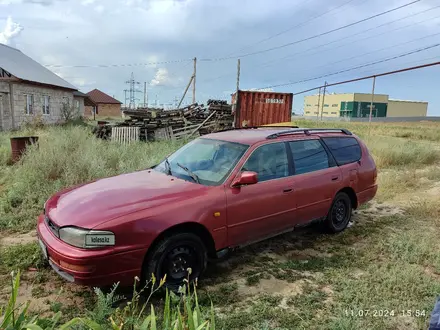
x,y
191,174
168,167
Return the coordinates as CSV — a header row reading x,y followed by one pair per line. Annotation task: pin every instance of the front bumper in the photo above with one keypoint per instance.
x,y
97,267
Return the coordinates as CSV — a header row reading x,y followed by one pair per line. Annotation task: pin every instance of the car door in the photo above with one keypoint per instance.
x,y
260,210
316,179
347,154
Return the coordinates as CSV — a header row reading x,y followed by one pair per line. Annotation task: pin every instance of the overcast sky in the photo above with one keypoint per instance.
x,y
122,36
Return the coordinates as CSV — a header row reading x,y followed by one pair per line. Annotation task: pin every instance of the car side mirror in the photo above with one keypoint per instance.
x,y
245,178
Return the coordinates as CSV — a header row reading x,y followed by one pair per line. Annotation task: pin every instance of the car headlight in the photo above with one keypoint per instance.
x,y
85,238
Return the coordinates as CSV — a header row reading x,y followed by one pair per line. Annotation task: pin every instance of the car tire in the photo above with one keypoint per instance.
x,y
172,256
340,213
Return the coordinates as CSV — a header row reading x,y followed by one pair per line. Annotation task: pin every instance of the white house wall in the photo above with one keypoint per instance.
x,y
19,91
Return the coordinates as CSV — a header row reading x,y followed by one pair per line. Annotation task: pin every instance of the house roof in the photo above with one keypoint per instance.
x,y
79,94
100,97
87,99
23,67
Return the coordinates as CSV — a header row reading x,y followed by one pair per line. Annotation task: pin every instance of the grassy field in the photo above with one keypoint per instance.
x,y
381,273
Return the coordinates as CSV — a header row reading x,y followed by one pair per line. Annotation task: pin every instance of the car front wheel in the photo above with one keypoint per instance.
x,y
340,213
173,256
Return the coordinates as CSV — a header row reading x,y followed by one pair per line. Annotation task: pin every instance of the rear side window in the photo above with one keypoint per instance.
x,y
308,156
345,150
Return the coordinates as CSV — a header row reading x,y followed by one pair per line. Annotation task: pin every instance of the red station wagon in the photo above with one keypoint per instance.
x,y
218,192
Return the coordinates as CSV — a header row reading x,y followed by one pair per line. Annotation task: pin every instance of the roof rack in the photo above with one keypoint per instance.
x,y
254,127
308,131
275,127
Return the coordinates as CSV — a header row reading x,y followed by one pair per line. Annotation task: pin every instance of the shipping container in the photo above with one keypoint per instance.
x,y
262,108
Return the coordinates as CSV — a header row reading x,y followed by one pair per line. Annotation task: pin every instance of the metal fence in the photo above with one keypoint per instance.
x,y
373,119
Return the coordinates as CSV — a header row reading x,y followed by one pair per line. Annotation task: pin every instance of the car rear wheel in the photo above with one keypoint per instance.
x,y
340,213
172,257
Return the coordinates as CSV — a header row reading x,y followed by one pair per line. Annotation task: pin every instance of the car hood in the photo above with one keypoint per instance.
x,y
91,204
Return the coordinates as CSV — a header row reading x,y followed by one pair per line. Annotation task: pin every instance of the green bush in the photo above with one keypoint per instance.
x,y
180,312
21,256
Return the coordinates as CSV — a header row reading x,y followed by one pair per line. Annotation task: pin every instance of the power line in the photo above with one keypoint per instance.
x,y
116,65
239,56
292,27
314,36
356,67
355,34
378,50
274,61
423,60
372,76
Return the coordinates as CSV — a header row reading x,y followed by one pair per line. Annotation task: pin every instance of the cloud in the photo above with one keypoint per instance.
x,y
74,33
81,82
40,2
34,2
99,8
162,78
10,31
9,2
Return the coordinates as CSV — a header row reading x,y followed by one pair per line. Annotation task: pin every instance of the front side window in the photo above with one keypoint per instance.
x,y
308,156
269,161
46,101
210,160
344,149
29,104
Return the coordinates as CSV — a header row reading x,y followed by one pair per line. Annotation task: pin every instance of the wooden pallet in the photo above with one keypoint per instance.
x,y
125,135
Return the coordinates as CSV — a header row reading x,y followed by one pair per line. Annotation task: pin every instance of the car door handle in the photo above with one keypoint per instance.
x,y
335,178
287,190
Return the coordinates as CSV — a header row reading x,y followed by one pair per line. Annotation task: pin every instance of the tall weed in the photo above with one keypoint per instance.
x,y
67,156
180,312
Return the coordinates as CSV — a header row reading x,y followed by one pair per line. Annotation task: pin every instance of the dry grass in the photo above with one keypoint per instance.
x,y
387,261
65,157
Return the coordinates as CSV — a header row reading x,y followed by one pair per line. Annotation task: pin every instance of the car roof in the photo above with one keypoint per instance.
x,y
254,135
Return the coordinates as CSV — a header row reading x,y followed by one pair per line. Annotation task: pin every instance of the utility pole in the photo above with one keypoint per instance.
x,y
194,80
319,99
145,95
133,91
371,104
125,97
235,106
323,99
186,90
238,75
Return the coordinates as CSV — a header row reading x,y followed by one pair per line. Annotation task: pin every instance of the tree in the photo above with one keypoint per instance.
x,y
68,112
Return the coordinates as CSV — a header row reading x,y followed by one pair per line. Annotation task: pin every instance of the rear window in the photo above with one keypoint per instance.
x,y
308,156
345,149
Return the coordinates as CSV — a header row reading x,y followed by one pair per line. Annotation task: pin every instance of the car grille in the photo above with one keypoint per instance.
x,y
52,226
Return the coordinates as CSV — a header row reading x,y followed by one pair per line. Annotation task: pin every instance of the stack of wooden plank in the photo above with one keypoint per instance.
x,y
157,124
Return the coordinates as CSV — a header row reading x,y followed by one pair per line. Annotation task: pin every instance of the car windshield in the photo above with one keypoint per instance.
x,y
204,160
